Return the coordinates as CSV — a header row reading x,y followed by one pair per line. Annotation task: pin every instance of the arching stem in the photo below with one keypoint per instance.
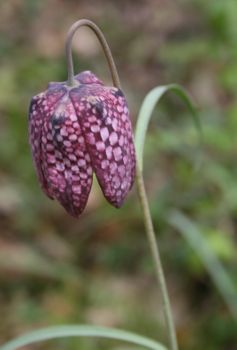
x,y
104,44
140,182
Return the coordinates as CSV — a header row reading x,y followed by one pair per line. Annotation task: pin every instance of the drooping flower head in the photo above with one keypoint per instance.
x,y
75,131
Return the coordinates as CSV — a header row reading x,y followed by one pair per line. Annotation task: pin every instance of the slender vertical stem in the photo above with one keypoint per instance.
x,y
104,44
156,258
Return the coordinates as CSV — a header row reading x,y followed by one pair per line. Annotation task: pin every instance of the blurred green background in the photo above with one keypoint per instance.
x,y
55,269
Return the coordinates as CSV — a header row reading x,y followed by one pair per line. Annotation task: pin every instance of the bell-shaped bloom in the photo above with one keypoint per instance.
x,y
75,131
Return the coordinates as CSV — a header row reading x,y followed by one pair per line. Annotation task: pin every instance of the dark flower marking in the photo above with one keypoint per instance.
x,y
118,92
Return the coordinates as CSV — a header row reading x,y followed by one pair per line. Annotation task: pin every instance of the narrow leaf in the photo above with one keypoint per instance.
x,y
81,331
148,105
216,270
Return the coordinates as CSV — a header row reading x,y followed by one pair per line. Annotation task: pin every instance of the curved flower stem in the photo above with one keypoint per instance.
x,y
156,258
104,44
140,182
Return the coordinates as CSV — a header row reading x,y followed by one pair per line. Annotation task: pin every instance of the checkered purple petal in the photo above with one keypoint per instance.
x,y
75,131
105,123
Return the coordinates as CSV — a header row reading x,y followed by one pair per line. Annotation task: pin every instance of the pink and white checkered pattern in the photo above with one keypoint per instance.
x,y
77,131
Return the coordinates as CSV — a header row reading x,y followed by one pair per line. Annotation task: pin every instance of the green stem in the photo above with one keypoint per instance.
x,y
140,182
156,258
104,44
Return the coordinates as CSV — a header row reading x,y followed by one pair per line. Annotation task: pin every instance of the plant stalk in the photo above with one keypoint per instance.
x,y
104,44
156,258
140,182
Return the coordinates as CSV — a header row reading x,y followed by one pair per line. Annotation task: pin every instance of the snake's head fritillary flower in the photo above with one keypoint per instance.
x,y
75,131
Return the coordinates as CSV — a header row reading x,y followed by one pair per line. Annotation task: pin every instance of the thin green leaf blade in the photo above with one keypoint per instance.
x,y
81,331
147,108
215,268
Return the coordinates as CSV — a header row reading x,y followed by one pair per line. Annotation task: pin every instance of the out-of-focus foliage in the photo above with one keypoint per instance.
x,y
55,269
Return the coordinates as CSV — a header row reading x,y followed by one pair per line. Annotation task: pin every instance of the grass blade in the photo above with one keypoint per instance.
x,y
81,331
148,105
213,265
